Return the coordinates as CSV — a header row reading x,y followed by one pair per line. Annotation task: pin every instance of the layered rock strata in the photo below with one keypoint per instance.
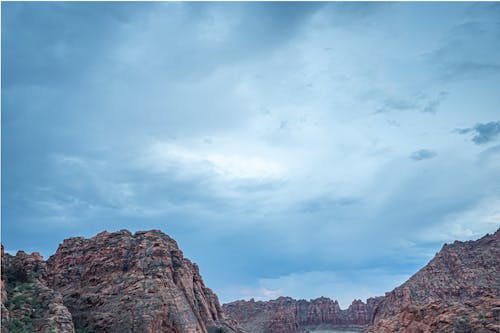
x,y
287,315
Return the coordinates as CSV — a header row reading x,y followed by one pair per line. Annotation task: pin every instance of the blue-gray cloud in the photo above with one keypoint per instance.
x,y
466,51
423,154
484,132
245,131
419,102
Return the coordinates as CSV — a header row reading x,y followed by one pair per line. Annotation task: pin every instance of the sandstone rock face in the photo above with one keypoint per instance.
x,y
287,315
5,316
113,282
123,282
28,305
458,291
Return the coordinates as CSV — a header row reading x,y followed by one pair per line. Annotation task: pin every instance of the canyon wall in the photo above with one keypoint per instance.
x,y
457,291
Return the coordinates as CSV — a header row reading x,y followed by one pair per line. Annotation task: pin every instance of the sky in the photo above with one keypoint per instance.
x,y
297,149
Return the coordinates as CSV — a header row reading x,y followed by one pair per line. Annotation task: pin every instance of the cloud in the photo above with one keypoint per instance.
x,y
465,51
466,224
399,104
325,202
491,156
423,154
421,102
469,70
484,132
431,105
163,157
245,131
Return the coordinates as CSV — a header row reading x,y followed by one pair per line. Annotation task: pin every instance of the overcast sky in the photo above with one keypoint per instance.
x,y
299,149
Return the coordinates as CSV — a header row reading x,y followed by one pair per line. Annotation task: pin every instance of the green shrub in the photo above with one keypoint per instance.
x,y
17,326
83,330
18,300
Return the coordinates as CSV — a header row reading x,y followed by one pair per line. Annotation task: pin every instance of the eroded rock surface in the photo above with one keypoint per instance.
x,y
458,291
287,315
28,304
123,282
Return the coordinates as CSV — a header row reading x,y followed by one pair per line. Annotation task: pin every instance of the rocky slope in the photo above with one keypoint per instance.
x,y
287,315
113,282
458,291
28,305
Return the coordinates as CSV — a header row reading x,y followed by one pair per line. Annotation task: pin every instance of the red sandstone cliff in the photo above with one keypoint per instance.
x,y
28,305
123,282
113,282
287,315
458,291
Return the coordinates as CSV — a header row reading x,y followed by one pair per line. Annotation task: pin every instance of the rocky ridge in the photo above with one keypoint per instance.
x,y
112,282
457,291
287,315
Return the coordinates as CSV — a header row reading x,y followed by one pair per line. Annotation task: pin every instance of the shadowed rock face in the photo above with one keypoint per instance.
x,y
458,291
119,282
287,315
28,305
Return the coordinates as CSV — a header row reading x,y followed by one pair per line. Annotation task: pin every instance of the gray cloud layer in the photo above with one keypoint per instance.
x,y
484,132
271,136
423,154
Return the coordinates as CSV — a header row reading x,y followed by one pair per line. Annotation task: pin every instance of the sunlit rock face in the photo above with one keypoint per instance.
x,y
458,291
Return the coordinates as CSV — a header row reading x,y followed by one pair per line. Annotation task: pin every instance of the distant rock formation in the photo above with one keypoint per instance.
x,y
113,282
287,315
458,291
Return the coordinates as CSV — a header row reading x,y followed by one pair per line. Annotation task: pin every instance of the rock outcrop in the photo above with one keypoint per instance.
x,y
28,304
123,282
287,315
113,282
458,291
4,312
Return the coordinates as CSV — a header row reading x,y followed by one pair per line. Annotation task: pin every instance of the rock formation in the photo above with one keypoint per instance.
x,y
458,291
287,315
119,282
113,282
28,305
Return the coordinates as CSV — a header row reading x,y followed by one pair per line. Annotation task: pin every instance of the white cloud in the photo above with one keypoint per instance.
x,y
165,156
